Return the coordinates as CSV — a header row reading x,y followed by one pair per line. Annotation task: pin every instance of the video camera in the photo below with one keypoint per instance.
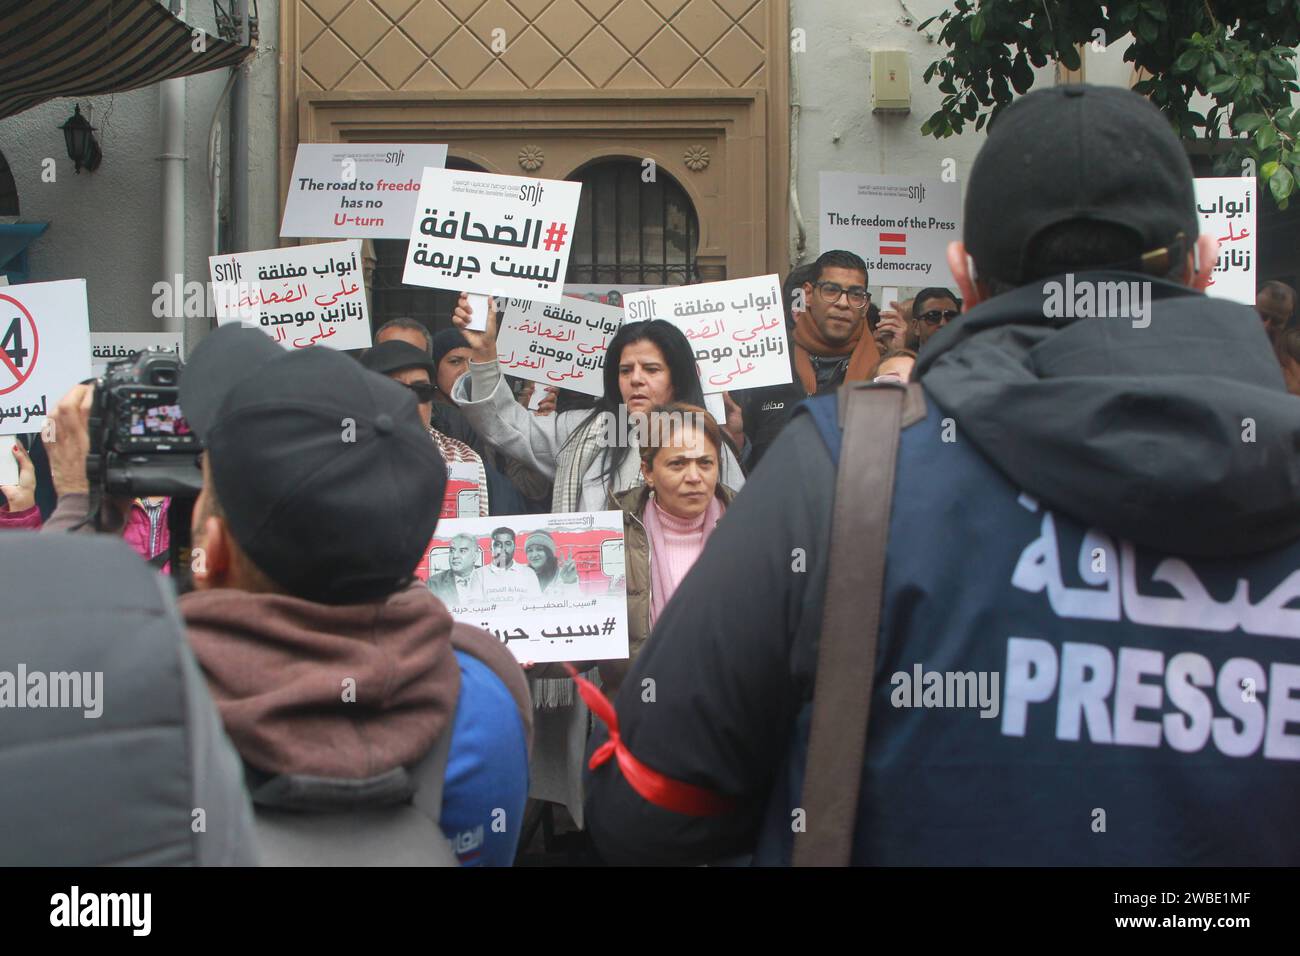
x,y
141,446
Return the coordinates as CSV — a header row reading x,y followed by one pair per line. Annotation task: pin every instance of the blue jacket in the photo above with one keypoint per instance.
x,y
1052,685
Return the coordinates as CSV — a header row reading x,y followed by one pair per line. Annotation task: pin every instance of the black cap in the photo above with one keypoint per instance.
x,y
396,355
326,475
446,341
1078,152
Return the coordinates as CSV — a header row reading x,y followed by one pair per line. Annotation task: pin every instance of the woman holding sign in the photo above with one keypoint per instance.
x,y
647,364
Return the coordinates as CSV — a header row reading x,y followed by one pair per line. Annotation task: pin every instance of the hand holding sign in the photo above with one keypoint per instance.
x,y
483,345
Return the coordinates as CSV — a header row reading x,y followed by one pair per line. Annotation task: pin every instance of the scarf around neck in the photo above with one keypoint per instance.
x,y
657,533
861,348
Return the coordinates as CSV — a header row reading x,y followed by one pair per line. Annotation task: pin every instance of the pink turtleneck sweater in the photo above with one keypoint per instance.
x,y
683,540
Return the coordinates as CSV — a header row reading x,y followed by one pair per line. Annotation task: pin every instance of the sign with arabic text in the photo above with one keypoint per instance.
x,y
108,347
356,190
736,329
1225,206
549,587
300,296
44,350
562,345
505,236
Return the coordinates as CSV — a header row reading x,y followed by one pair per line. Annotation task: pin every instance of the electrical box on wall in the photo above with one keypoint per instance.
x,y
891,87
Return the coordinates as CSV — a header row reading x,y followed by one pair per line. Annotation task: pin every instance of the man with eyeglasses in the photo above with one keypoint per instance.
x,y
932,309
466,493
830,344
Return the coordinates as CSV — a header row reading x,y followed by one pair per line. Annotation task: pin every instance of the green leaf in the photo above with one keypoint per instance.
x,y
926,22
1267,170
1221,84
1266,137
1281,68
1205,74
1189,60
1220,61
977,27
1022,77
1249,122
1148,29
1070,57
1280,184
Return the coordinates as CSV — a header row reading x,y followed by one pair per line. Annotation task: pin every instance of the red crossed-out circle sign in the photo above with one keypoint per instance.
x,y
10,377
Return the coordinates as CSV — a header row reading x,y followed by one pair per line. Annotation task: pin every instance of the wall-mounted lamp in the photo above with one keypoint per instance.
x,y
79,136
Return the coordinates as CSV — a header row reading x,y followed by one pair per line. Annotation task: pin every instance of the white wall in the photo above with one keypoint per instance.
x,y
838,131
106,226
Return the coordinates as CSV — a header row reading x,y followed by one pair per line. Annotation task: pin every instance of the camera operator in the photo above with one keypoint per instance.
x,y
336,674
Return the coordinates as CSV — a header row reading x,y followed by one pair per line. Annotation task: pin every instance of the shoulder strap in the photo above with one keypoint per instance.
x,y
872,417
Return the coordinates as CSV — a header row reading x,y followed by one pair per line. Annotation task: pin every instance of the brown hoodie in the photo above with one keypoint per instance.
x,y
346,691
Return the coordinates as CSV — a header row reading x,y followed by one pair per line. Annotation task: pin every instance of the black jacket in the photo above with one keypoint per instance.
x,y
1131,433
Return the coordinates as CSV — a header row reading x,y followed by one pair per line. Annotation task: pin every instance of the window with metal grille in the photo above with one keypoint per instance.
x,y
628,232
631,232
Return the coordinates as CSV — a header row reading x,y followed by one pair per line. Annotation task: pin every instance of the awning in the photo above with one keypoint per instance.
x,y
53,48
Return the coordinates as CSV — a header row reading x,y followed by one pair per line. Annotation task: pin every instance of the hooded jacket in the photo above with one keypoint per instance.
x,y
352,693
1093,549
115,742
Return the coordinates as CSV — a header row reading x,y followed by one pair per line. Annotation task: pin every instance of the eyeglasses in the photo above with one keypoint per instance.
x,y
935,316
831,292
424,391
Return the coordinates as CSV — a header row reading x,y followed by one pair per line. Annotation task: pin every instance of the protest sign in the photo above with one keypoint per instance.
x,y
899,225
460,499
108,347
356,190
8,463
44,350
566,601
502,235
562,345
736,329
300,296
1225,205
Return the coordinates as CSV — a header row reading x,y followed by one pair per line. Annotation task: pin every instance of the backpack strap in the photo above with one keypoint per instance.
x,y
872,417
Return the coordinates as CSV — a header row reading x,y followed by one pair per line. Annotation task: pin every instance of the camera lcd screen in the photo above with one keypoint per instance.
x,y
159,421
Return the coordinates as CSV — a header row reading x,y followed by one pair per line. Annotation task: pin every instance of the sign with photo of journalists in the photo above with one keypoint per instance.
x,y
1226,207
562,344
505,236
899,225
356,190
108,347
552,589
736,329
44,350
300,296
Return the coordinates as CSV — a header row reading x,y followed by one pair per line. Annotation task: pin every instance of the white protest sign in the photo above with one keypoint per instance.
x,y
493,235
562,344
899,225
553,589
605,293
736,329
300,296
44,350
8,463
106,347
356,190
1225,205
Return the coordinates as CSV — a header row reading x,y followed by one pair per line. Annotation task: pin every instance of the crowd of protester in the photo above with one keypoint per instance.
x,y
348,693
